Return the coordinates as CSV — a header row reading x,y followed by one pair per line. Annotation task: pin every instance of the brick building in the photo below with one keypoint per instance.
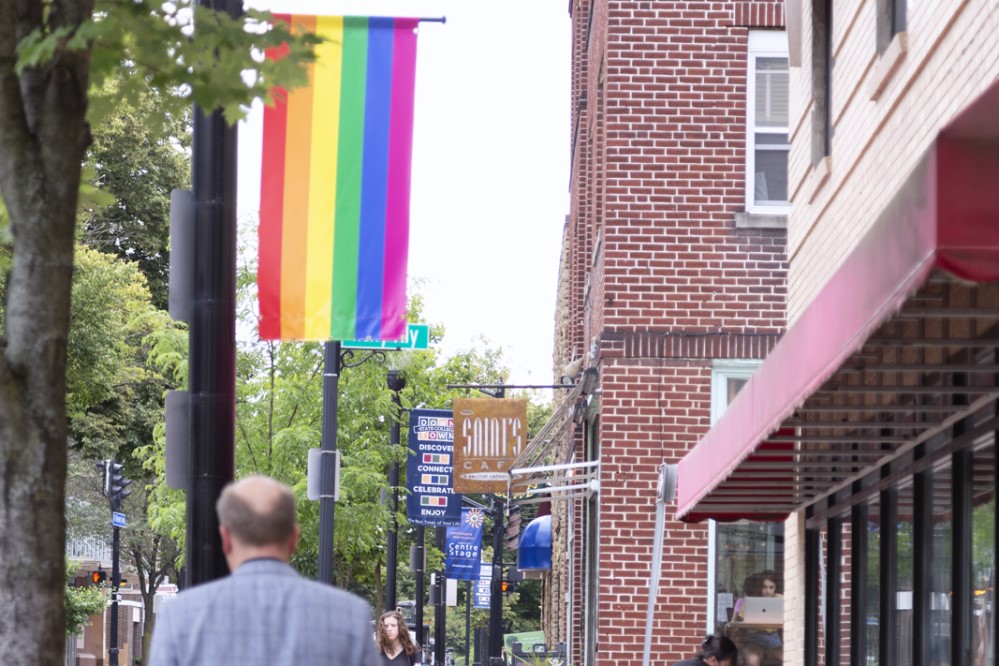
x,y
672,290
872,423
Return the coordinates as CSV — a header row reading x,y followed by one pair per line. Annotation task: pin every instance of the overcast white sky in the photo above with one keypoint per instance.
x,y
490,167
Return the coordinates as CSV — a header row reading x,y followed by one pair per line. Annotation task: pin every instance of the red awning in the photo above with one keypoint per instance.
x,y
860,375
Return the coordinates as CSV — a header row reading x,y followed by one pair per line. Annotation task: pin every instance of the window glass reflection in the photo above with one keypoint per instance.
x,y
749,565
873,589
983,557
940,578
902,623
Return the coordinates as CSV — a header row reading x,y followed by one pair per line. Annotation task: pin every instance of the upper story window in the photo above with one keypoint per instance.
x,y
728,376
891,20
822,64
767,144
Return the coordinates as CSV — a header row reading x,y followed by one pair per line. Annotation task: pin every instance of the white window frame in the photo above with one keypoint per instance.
x,y
722,369
762,44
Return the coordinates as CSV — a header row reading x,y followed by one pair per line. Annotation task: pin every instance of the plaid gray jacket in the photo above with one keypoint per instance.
x,y
264,613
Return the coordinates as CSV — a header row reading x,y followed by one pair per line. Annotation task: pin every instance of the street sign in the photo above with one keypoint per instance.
x,y
417,339
484,586
463,546
117,519
489,434
432,500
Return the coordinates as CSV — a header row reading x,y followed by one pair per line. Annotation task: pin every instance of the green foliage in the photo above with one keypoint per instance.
x,y
130,173
107,297
124,353
81,602
210,58
114,388
167,507
983,543
525,610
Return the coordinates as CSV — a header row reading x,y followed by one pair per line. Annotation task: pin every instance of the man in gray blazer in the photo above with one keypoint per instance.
x,y
264,612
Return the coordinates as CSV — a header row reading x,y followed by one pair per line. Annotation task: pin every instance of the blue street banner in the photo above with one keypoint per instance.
x,y
484,586
430,469
463,546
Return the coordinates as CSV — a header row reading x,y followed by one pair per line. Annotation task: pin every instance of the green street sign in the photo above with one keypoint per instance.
x,y
417,339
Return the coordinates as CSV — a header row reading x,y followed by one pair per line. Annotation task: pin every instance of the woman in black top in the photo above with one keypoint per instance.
x,y
715,651
394,643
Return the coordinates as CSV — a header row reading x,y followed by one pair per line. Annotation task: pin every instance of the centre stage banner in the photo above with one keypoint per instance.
x,y
463,546
430,469
335,185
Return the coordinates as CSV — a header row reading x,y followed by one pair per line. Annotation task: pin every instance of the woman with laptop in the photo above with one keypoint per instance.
x,y
760,607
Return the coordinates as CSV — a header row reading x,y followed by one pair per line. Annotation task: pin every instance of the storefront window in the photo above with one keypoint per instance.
x,y
748,558
942,557
910,532
902,624
873,589
983,557
749,567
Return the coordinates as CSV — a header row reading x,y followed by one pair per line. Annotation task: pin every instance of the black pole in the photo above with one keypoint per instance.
x,y
115,583
440,610
327,469
468,621
396,382
212,333
420,586
496,595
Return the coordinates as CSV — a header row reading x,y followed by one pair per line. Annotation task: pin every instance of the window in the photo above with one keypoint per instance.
x,y
740,552
918,584
727,377
767,144
891,21
904,586
822,63
983,557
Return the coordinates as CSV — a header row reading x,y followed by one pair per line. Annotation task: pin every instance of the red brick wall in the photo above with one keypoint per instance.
x,y
662,282
675,126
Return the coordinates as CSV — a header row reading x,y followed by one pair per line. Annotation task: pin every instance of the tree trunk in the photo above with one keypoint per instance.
x,y
43,135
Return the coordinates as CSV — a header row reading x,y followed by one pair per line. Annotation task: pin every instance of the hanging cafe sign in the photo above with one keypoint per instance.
x,y
489,434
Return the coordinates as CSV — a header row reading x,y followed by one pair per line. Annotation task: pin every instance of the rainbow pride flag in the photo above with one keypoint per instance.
x,y
334,196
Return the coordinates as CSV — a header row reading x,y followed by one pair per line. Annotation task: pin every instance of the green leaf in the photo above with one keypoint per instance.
x,y
81,602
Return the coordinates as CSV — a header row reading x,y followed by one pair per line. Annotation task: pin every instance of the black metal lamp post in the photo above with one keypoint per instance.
x,y
496,593
212,331
115,487
335,359
396,382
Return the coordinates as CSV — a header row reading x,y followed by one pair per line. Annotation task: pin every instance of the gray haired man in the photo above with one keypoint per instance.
x,y
264,612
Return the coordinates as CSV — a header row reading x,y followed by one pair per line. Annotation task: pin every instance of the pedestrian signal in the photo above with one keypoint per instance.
x,y
99,576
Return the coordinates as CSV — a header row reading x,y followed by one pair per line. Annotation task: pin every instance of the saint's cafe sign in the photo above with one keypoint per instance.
x,y
489,434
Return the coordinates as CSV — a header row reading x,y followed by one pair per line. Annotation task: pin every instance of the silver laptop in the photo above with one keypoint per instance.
x,y
763,610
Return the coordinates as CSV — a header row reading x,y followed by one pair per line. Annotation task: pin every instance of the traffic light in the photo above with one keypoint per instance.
x,y
510,580
98,577
115,484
